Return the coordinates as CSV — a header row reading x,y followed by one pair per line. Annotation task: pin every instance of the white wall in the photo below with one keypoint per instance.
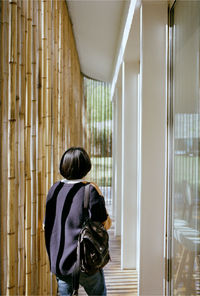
x,y
153,146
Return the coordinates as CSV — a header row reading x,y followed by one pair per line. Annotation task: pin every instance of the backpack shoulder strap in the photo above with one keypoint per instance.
x,y
86,200
86,196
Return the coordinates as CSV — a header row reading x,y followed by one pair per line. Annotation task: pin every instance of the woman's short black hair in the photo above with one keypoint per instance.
x,y
75,163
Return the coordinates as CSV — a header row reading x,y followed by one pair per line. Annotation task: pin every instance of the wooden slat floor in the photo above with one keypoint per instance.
x,y
119,282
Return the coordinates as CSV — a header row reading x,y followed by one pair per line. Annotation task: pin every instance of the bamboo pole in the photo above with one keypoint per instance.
x,y
48,118
70,90
39,148
4,143
52,37
73,91
44,101
28,147
11,223
68,69
21,201
27,150
70,85
64,80
17,131
55,94
1,132
48,105
60,81
81,106
33,153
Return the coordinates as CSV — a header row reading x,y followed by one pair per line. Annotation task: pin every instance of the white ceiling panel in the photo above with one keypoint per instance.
x,y
97,26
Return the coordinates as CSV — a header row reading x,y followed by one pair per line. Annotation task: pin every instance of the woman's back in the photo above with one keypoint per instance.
x,y
63,222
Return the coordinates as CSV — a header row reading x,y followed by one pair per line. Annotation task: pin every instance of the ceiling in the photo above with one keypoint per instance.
x,y
97,26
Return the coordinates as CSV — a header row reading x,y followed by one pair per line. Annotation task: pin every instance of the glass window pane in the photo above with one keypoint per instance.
x,y
186,149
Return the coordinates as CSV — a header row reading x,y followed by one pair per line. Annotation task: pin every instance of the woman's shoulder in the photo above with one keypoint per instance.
x,y
56,186
97,188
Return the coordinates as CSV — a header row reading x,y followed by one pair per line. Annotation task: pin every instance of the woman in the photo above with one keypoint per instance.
x,y
64,219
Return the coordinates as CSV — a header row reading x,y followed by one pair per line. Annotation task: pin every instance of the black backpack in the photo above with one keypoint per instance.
x,y
93,245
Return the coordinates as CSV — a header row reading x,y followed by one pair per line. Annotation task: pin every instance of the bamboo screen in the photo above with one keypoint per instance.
x,y
40,116
99,133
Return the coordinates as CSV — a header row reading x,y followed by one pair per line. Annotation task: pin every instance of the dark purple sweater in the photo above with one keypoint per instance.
x,y
63,222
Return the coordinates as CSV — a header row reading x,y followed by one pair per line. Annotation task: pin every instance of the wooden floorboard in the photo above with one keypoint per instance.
x,y
119,282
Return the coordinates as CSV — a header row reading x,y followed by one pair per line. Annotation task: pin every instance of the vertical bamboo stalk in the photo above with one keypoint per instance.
x,y
1,134
48,118
60,81
17,163
53,76
64,79
70,85
48,105
70,89
33,154
4,142
39,147
11,223
28,147
21,201
52,32
44,102
75,101
81,110
55,94
73,92
1,131
68,61
79,102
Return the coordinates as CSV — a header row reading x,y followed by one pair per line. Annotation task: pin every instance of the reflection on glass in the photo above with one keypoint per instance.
x,y
186,156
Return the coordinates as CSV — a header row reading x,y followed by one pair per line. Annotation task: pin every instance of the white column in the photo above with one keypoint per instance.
x,y
118,158
114,140
129,165
153,146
